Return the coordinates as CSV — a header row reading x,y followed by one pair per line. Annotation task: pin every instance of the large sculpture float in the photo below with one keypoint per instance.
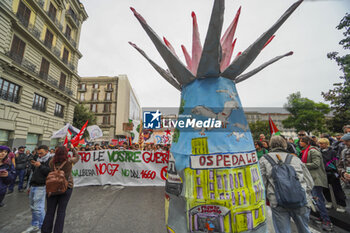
x,y
214,182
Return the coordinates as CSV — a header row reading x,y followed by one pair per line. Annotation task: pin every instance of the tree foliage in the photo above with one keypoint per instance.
x,y
81,115
259,127
339,96
305,114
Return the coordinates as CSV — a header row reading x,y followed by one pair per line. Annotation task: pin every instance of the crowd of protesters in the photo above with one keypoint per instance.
x,y
319,163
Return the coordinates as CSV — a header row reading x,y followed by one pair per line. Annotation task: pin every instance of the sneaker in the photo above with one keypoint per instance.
x,y
341,209
329,205
10,191
2,204
327,226
31,229
20,190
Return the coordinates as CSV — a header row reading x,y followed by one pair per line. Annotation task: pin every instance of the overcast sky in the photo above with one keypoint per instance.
x,y
310,33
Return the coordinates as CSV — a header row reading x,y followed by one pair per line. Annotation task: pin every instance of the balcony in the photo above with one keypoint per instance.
x,y
72,17
32,68
108,89
54,50
57,26
22,61
80,89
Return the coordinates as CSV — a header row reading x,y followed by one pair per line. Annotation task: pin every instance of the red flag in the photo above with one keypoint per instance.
x,y
76,139
273,128
65,142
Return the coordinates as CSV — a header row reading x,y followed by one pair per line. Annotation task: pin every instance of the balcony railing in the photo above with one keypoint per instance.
x,y
23,20
71,15
31,67
82,89
108,89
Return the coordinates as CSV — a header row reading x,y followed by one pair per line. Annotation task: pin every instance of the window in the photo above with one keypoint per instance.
x,y
109,86
94,96
39,103
95,86
105,120
82,86
23,13
63,78
93,107
107,108
108,96
82,96
68,32
58,110
48,38
17,49
9,91
44,68
4,137
52,12
32,141
65,55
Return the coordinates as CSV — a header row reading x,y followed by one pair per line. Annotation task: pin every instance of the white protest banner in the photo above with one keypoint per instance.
x,y
121,167
61,132
94,132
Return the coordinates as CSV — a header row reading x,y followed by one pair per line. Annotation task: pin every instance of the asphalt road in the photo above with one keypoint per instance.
x,y
96,209
102,209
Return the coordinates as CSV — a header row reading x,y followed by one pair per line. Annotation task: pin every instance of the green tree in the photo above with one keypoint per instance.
x,y
339,96
305,114
81,115
259,127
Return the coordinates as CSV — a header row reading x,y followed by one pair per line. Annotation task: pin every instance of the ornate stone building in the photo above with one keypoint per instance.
x,y
38,68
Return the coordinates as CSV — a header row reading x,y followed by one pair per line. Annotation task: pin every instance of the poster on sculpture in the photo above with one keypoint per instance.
x,y
121,167
214,182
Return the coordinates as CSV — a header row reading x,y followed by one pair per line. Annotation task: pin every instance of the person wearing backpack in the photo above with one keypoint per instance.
x,y
21,162
288,186
312,157
57,203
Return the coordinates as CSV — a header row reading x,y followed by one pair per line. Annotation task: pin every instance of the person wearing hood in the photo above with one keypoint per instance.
x,y
7,172
37,190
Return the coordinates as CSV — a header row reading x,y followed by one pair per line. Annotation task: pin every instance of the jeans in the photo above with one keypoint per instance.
x,y
20,173
59,203
281,219
37,204
317,191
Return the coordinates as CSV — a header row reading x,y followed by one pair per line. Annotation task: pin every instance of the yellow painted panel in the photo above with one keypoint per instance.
x,y
15,4
46,3
43,32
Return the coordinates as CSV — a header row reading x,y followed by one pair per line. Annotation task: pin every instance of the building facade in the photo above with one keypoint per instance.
x,y
277,117
113,102
38,68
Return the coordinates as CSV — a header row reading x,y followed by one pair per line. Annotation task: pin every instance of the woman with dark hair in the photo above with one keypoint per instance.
x,y
7,172
260,150
58,203
312,157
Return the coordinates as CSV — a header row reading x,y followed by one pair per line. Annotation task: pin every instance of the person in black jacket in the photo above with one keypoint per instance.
x,y
7,172
330,159
37,190
21,162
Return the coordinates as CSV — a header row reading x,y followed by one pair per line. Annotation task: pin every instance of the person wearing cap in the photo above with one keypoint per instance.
x,y
346,129
344,160
21,163
7,172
